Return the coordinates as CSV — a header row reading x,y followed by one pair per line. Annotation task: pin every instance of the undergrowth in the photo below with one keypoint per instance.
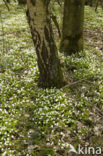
x,y
44,122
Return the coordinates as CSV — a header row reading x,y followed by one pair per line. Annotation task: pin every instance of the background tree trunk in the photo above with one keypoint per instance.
x,y
72,31
8,1
22,1
41,30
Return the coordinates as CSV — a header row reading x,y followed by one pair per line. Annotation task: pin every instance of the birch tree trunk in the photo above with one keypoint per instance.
x,y
72,31
42,35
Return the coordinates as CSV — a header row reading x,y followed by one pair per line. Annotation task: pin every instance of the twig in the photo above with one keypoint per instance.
x,y
6,5
68,85
59,3
2,31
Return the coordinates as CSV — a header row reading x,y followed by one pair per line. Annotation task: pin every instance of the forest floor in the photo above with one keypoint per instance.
x,y
46,122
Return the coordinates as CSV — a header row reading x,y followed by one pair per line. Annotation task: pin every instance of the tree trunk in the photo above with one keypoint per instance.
x,y
72,31
22,2
41,30
8,1
89,2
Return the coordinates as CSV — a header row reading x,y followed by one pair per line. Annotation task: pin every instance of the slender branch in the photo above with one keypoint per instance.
x,y
56,24
68,85
6,5
2,31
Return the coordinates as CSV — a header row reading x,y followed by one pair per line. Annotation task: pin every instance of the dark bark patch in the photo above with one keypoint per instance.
x,y
49,39
37,42
33,2
44,52
46,33
34,13
28,16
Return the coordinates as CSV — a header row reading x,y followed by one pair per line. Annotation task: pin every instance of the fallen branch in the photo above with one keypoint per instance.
x,y
68,85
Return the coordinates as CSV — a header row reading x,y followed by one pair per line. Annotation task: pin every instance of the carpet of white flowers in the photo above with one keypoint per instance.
x,y
44,122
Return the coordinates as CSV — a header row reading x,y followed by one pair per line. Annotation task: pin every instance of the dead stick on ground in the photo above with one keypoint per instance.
x,y
68,85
